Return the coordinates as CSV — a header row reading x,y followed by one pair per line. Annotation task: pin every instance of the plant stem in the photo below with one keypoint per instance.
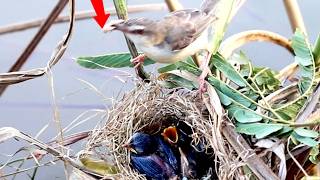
x,y
122,12
294,14
316,51
173,5
36,39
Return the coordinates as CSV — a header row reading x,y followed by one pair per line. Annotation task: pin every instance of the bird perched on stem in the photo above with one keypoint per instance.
x,y
178,35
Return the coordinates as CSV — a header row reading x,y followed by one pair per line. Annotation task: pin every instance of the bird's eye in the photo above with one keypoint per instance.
x,y
137,31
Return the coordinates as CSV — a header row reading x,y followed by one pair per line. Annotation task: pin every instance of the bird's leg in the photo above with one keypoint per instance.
x,y
205,71
137,61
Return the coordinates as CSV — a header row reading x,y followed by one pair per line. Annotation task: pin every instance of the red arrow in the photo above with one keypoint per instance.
x,y
101,17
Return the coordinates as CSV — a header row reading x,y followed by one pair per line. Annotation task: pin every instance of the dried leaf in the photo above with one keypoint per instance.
x,y
8,133
279,150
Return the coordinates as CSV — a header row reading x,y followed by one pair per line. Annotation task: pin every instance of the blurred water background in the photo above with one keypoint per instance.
x,y
28,106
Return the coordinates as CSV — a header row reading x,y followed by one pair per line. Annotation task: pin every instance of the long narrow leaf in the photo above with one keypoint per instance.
x,y
117,60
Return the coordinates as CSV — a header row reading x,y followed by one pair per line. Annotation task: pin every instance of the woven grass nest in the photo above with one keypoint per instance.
x,y
149,108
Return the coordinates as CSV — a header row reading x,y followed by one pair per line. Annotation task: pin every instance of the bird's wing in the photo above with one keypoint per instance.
x,y
184,26
149,165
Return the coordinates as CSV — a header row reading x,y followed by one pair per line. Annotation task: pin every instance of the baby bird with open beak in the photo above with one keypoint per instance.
x,y
178,35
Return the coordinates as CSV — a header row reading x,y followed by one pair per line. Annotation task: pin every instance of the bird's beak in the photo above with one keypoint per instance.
x,y
129,147
112,25
170,134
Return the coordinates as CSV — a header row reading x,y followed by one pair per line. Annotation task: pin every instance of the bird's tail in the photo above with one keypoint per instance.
x,y
209,6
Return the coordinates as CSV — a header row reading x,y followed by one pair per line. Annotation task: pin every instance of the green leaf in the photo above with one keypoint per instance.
x,y
305,140
226,68
175,66
267,78
285,131
301,49
306,132
167,68
239,58
225,100
314,153
118,60
221,24
174,81
260,130
304,58
243,115
228,91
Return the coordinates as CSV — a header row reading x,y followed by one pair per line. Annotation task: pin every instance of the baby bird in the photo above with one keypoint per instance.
x,y
141,144
152,166
151,157
169,156
191,158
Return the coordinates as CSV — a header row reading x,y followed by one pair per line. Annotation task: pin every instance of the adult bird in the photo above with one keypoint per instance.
x,y
151,157
178,35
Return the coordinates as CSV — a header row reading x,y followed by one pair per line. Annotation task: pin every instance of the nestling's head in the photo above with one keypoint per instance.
x,y
139,30
141,144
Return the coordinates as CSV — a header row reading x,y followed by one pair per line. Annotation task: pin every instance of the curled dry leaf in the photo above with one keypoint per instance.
x,y
278,149
8,133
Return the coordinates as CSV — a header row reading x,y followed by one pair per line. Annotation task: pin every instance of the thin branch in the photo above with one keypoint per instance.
x,y
82,15
294,14
20,76
36,39
173,5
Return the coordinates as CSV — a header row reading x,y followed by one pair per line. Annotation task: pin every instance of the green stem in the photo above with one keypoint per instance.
x,y
316,51
122,12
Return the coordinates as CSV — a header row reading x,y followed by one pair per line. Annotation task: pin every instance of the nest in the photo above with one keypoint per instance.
x,y
148,108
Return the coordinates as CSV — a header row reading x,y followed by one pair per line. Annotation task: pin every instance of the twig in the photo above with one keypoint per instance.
x,y
82,15
254,162
20,76
37,38
56,153
27,169
295,160
121,8
294,14
173,5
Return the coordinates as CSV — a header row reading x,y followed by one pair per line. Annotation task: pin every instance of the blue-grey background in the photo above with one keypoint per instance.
x,y
28,106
